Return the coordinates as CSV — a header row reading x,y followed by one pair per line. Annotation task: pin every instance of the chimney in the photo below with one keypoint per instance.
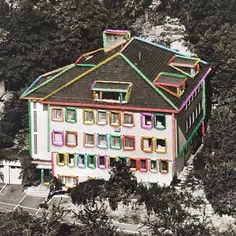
x,y
113,38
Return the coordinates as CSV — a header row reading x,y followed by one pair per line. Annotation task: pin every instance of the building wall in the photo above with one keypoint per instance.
x,y
137,131
39,131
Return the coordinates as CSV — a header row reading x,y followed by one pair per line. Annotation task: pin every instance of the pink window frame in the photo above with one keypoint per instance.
x,y
123,143
142,122
146,165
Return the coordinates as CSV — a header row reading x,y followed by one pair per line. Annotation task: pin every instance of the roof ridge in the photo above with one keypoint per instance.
x,y
51,79
148,81
80,76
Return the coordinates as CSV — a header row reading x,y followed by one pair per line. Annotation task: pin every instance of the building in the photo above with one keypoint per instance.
x,y
131,100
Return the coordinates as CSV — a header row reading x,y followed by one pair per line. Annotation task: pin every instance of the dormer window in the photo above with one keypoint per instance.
x,y
111,91
174,84
186,65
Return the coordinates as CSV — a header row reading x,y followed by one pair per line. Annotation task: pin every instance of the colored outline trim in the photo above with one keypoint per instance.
x,y
193,91
173,136
49,128
51,79
53,164
146,164
85,65
155,146
93,165
34,82
136,163
115,136
30,128
190,138
85,140
155,125
123,142
160,168
204,98
97,120
161,46
80,76
148,81
102,146
66,115
142,117
55,71
79,155
62,138
99,162
86,105
123,119
142,144
119,118
87,54
84,117
76,138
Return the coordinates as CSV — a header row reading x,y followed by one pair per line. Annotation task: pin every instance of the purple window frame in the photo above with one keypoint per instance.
x,y
99,164
142,120
62,136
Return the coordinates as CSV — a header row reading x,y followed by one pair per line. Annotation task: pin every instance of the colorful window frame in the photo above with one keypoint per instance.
x,y
81,160
146,120
123,159
57,114
71,115
117,121
68,141
87,142
104,121
111,161
118,137
61,159
102,161
160,145
71,159
164,166
143,164
124,121
56,142
91,161
150,143
104,144
153,166
88,120
161,123
133,164
124,142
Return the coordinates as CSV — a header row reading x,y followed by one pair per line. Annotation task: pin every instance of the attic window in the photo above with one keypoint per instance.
x,y
173,84
111,91
186,65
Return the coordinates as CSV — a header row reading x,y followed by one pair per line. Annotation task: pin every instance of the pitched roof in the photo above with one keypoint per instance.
x,y
139,62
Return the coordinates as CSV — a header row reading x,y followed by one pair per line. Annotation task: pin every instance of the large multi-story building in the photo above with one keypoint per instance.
x,y
131,100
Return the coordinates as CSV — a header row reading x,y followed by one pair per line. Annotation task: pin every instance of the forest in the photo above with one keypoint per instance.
x,y
38,36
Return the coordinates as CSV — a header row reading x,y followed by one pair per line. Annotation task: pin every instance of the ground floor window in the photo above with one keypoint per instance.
x,y
69,181
164,166
133,164
143,165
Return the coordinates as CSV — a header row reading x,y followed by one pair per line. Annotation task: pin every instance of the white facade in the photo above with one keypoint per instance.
x,y
10,171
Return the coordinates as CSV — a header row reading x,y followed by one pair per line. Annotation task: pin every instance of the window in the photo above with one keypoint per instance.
x,y
71,139
115,141
34,105
143,165
91,161
101,117
35,121
196,112
112,160
102,141
81,160
71,115
123,159
71,160
128,142
45,107
35,144
189,121
88,117
111,91
57,114
61,159
147,120
89,140
58,138
186,126
128,119
69,181
147,144
160,121
153,166
193,117
101,162
132,164
164,166
115,118
160,145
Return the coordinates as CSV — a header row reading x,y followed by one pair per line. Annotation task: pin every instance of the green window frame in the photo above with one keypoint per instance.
x,y
115,137
69,117
91,161
161,122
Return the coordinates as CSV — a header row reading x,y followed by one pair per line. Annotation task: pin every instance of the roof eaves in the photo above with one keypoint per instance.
x,y
51,79
88,54
80,76
148,81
